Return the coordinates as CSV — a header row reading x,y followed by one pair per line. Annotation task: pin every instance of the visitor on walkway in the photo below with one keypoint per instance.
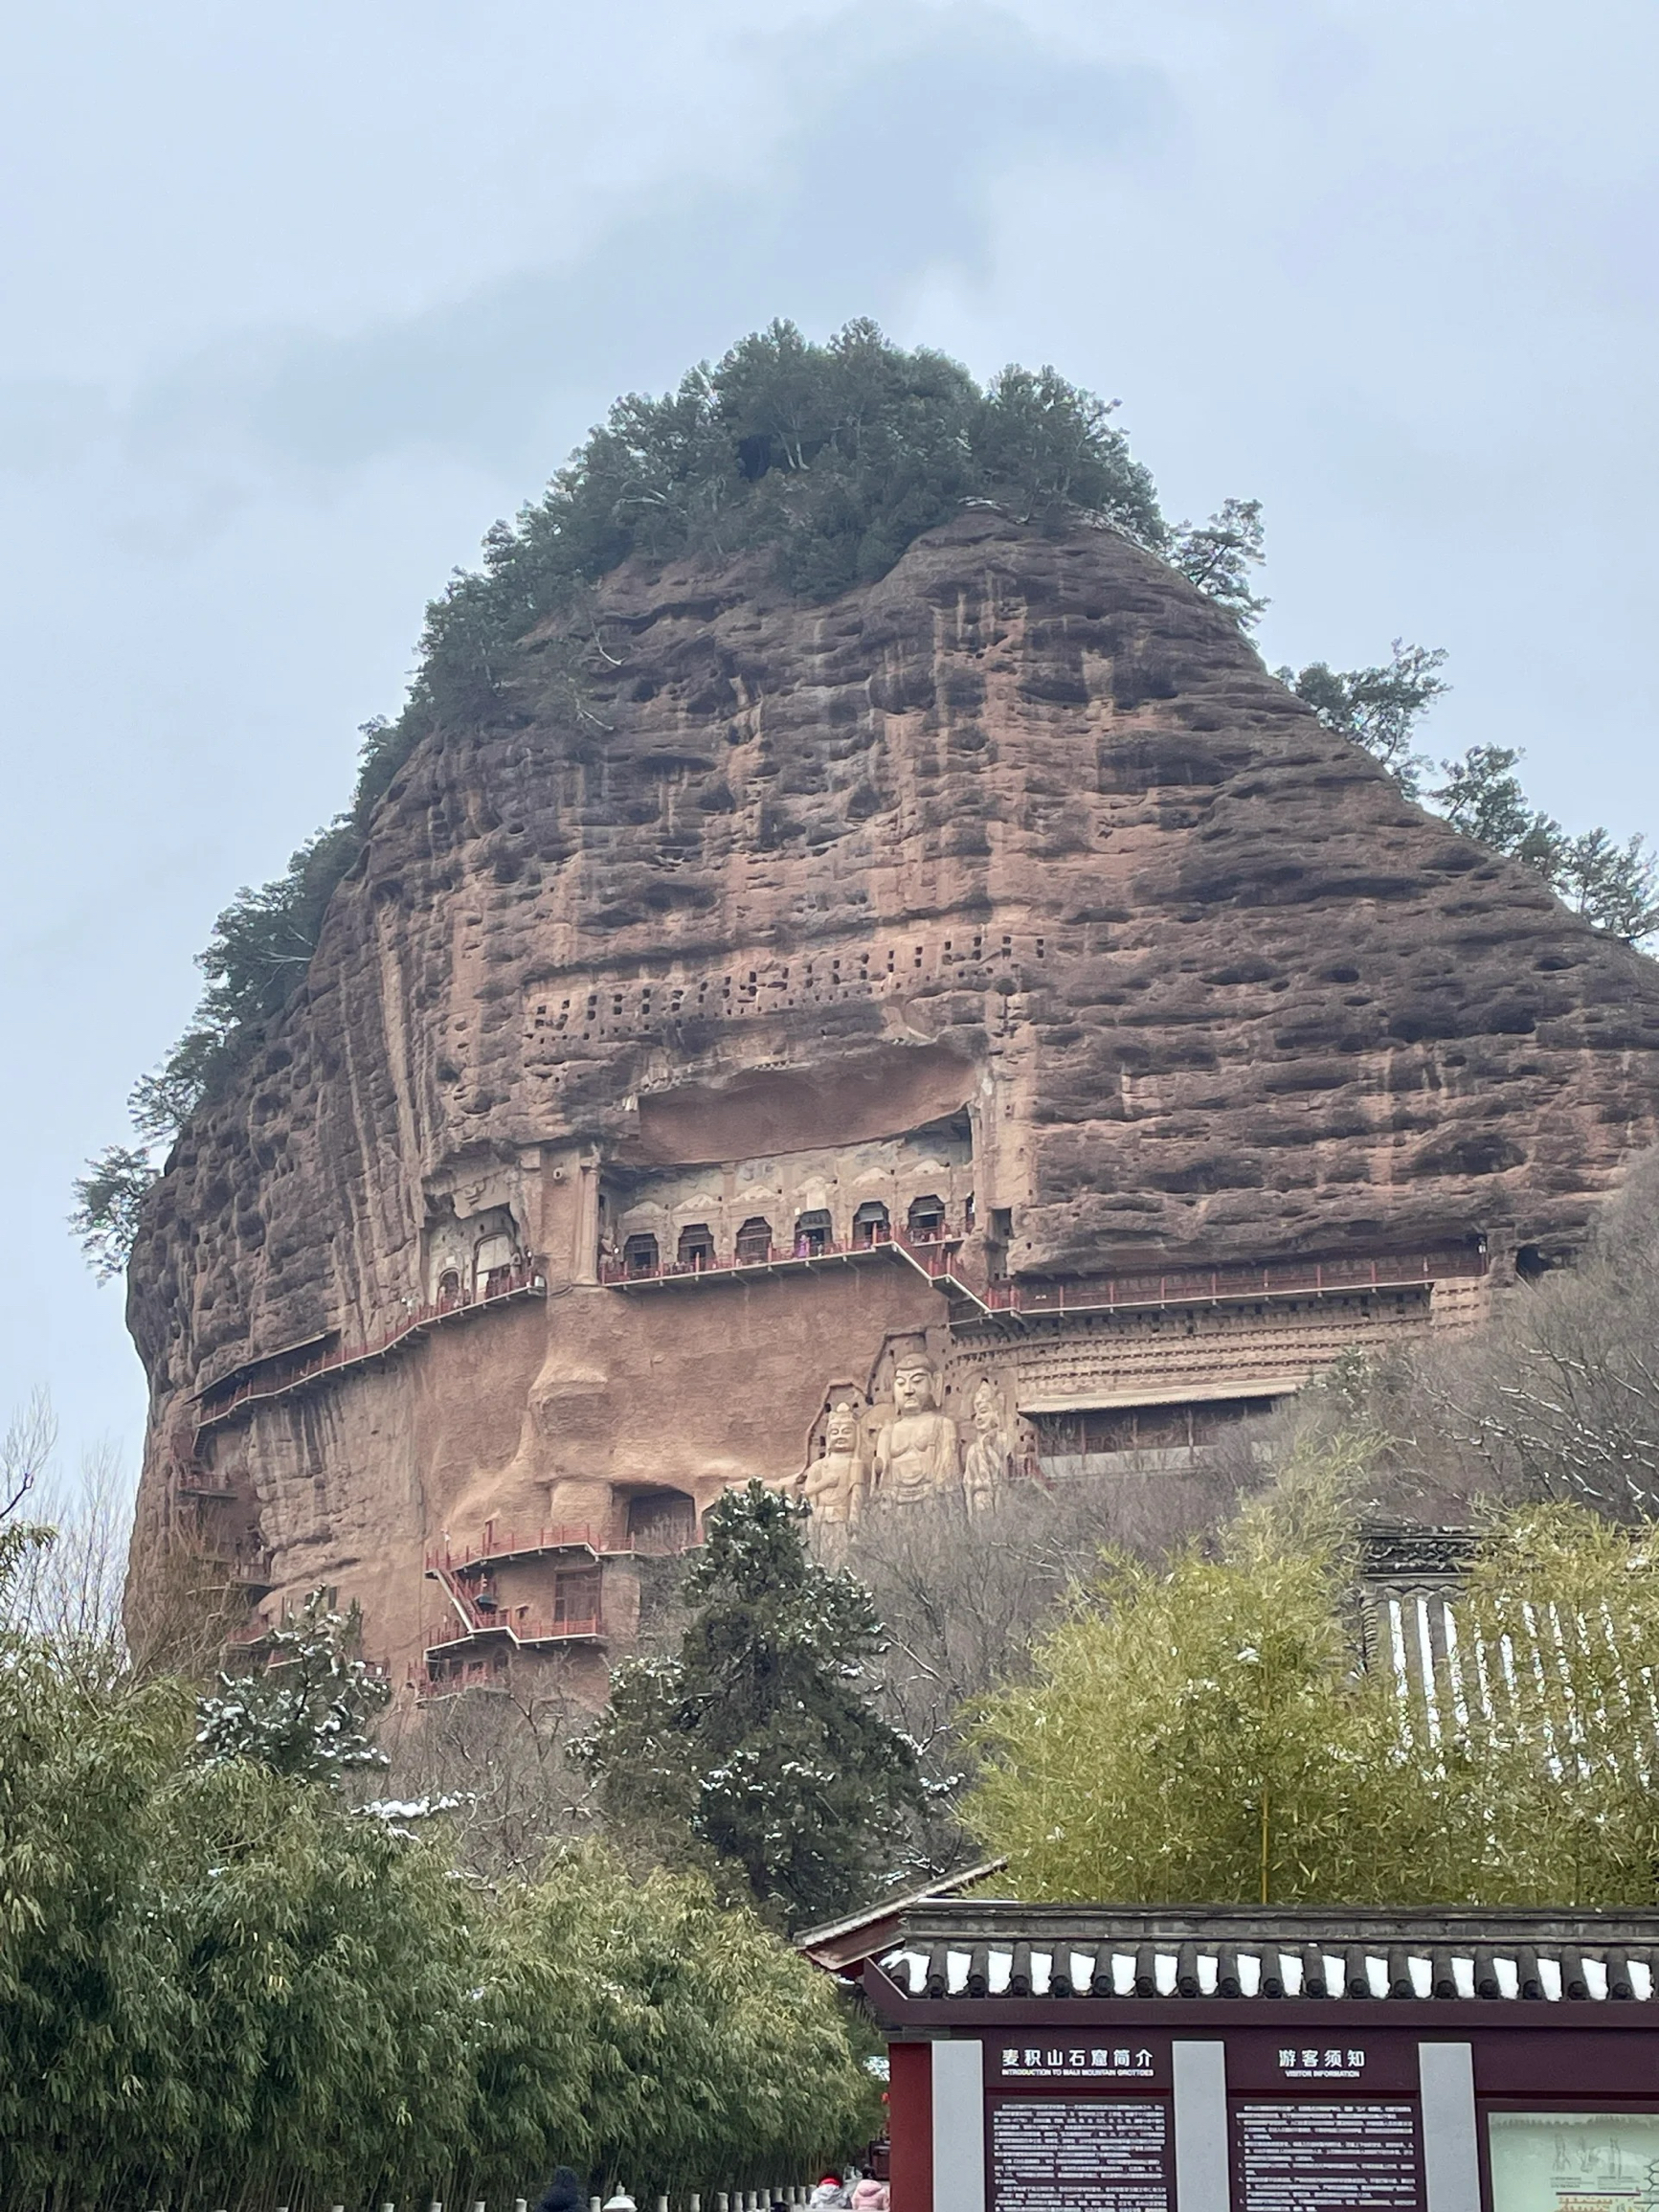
x,y
871,2195
829,2196
564,2193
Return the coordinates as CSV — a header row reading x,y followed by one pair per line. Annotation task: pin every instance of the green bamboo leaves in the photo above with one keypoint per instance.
x,y
221,1985
1209,1731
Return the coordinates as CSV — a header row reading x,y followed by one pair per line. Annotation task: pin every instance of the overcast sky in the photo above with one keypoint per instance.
x,y
297,300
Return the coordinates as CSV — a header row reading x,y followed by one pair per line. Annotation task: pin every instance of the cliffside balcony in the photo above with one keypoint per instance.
x,y
251,1650
527,1634
248,1569
979,1298
457,1655
497,1549
206,1487
1236,1283
317,1360
480,1622
760,1262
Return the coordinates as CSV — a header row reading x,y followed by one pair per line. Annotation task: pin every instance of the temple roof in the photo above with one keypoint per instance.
x,y
991,1947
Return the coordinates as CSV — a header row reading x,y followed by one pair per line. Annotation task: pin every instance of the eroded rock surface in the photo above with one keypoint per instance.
x,y
1015,871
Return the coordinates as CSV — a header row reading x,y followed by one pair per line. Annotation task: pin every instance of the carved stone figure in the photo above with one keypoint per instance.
x,y
990,1459
834,1483
918,1452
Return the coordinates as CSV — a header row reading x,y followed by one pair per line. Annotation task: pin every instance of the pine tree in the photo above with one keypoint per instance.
x,y
309,1713
107,1201
1218,556
759,1743
1614,887
1378,708
221,1982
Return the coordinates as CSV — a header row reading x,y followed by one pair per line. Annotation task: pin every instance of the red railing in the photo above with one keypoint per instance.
x,y
1208,1286
478,1617
245,1643
579,1536
940,1259
575,1537
612,1272
445,1633
527,1277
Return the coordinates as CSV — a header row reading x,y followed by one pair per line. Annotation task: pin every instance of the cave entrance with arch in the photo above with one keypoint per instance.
x,y
658,1523
639,1255
814,1233
925,1222
492,1266
754,1242
696,1248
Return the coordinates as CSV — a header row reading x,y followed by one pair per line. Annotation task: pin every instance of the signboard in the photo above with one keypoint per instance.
x,y
1080,2154
1527,2064
1574,2161
1320,2062
1092,2057
1335,2156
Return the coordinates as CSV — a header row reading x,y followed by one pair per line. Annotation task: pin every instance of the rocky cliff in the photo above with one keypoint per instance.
x,y
1021,846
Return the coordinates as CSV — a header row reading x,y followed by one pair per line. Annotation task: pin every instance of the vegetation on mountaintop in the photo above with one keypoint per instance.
x,y
827,462
1614,887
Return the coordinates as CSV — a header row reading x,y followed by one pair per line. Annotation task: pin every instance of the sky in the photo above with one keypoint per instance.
x,y
297,301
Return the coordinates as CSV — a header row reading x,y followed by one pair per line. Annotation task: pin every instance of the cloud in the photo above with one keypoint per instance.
x,y
885,138
47,422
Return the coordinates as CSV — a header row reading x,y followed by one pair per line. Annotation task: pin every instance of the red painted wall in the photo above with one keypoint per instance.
x,y
910,2127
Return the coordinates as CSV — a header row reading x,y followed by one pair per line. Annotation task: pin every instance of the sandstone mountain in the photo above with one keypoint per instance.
x,y
994,969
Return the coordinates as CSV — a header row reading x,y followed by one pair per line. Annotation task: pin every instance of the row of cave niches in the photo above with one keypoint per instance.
x,y
812,1237
1106,1433
977,961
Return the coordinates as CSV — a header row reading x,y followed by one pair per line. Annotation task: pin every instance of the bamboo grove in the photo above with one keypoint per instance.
x,y
221,1985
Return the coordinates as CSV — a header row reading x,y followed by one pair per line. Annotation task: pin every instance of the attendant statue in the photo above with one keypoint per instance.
x,y
990,1452
918,1452
833,1483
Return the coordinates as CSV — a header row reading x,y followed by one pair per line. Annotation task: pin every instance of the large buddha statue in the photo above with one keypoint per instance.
x,y
918,1452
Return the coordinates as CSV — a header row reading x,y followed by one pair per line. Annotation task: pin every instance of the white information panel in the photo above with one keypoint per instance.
x,y
1574,2161
1080,2154
1330,2156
